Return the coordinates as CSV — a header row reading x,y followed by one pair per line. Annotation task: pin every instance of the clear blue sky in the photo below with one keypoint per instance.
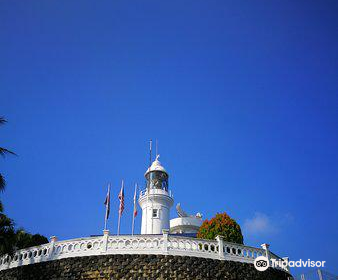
x,y
242,96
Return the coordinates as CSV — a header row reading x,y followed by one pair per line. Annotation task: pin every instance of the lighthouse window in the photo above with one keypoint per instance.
x,y
158,180
155,213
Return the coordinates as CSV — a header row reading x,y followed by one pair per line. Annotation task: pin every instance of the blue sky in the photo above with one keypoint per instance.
x,y
241,95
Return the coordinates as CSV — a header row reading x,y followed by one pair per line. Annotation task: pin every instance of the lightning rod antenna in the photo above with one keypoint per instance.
x,y
150,148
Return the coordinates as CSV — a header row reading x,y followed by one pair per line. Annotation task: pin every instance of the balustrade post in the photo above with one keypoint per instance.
x,y
266,248
320,275
53,239
220,241
165,240
105,240
286,259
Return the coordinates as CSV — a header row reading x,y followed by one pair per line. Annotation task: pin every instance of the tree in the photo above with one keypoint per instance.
x,y
7,235
222,225
3,152
25,239
11,239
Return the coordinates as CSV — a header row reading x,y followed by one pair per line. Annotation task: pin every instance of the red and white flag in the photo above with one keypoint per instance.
x,y
135,205
134,212
121,198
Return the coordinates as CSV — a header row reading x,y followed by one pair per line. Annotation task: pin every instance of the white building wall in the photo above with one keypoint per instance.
x,y
185,224
160,201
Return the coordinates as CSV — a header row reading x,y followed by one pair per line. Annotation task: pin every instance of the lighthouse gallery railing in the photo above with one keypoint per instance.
x,y
137,244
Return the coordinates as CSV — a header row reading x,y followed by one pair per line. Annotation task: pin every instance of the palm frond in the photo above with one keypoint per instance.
x,y
7,236
5,223
2,120
4,151
2,183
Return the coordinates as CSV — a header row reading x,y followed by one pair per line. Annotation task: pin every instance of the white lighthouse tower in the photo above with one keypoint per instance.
x,y
156,200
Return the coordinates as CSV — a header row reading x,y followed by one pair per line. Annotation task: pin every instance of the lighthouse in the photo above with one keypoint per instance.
x,y
156,200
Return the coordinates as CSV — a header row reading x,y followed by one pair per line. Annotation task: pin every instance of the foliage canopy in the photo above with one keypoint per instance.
x,y
222,225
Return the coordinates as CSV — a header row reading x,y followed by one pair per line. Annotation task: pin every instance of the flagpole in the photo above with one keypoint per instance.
x,y
156,148
148,187
105,224
132,227
120,212
105,220
147,210
118,225
133,223
107,207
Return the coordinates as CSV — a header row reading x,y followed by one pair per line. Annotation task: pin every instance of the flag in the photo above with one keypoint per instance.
x,y
121,198
107,202
135,206
134,212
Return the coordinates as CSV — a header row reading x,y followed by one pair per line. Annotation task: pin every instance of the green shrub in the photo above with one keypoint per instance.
x,y
222,225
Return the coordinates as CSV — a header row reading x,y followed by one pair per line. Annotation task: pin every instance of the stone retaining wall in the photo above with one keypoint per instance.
x,y
140,267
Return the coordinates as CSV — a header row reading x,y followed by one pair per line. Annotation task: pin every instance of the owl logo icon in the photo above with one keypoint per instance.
x,y
261,263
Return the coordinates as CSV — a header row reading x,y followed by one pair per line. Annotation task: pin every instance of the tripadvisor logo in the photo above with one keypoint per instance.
x,y
261,263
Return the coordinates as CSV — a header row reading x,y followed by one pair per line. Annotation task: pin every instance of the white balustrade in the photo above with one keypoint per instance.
x,y
133,244
238,252
156,191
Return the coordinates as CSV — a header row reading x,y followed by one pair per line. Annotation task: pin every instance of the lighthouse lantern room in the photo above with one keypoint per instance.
x,y
156,200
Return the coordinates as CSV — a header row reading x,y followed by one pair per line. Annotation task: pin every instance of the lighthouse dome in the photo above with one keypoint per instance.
x,y
156,166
